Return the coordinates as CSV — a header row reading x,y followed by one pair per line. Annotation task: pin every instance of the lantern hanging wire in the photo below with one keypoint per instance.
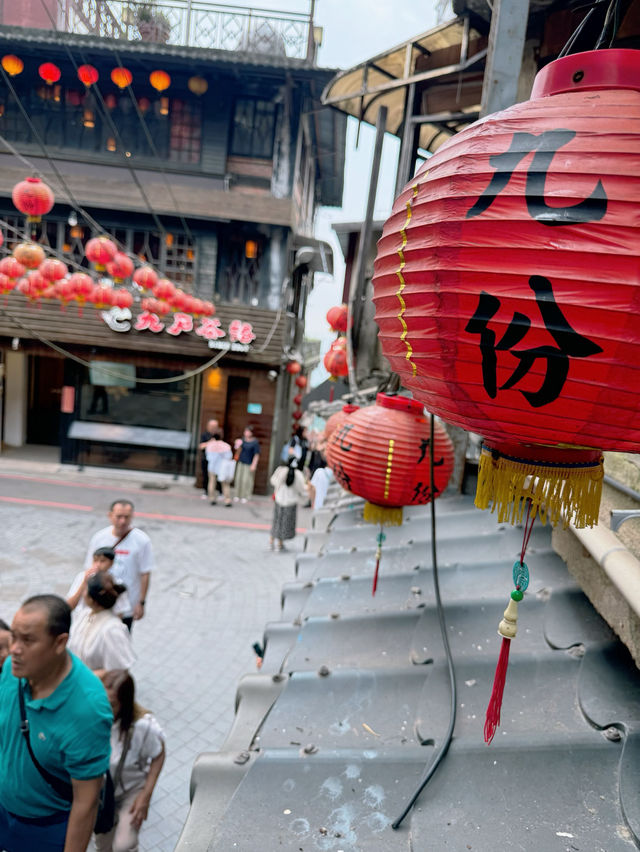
x,y
444,748
611,22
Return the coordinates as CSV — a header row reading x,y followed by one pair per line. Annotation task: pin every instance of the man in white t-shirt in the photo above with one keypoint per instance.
x,y
134,557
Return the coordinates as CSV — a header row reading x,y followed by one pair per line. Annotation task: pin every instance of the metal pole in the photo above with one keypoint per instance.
x,y
509,21
356,288
407,149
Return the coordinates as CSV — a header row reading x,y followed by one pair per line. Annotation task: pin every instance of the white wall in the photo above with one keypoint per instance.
x,y
15,399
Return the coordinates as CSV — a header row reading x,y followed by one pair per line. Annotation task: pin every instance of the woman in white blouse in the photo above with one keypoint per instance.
x,y
98,637
137,756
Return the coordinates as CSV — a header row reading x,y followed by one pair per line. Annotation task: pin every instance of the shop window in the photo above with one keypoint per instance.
x,y
185,135
253,132
238,281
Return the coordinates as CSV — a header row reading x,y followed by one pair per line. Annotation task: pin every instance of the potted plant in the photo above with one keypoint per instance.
x,y
153,25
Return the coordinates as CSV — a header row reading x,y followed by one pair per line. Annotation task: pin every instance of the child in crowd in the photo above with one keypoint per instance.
x,y
102,561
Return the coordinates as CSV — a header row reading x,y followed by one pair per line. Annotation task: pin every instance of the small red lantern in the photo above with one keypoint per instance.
x,y
30,255
297,414
337,419
335,362
145,277
160,80
102,297
197,85
12,268
297,400
208,309
122,298
293,367
178,300
88,75
82,288
6,285
49,72
165,289
33,198
53,269
100,250
110,101
29,289
36,281
337,317
13,65
121,77
301,382
64,291
120,267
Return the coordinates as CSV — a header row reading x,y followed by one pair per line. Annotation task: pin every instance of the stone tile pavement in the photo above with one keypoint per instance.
x,y
214,589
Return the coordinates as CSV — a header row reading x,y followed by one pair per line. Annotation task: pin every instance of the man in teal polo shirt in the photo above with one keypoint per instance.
x,y
69,720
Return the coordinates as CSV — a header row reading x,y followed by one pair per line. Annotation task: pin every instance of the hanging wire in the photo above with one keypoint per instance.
x,y
612,16
444,748
113,373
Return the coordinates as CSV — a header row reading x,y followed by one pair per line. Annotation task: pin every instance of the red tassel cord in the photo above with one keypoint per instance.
x,y
381,538
331,393
507,628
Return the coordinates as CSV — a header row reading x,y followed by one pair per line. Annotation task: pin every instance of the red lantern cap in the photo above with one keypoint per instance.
x,y
33,198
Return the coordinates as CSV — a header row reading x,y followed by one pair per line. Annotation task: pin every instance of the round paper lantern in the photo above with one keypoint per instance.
x,y
100,251
165,289
102,297
297,400
12,268
293,367
301,382
297,414
506,282
53,269
82,285
122,298
145,277
197,85
88,75
208,309
30,255
382,453
337,317
33,198
160,80
335,362
13,65
121,77
49,72
337,419
6,284
64,292
120,267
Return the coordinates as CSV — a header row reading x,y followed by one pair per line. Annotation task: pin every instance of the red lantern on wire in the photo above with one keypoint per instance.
x,y
122,298
337,419
297,414
208,309
297,400
164,289
82,288
382,453
337,317
293,367
121,77
160,80
100,251
49,72
88,75
120,267
33,198
145,277
301,382
13,65
64,292
102,297
539,352
335,362
53,269
6,286
12,268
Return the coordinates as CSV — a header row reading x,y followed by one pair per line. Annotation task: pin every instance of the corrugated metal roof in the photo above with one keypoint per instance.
x,y
332,737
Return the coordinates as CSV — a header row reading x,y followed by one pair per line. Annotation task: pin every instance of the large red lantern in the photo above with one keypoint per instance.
x,y
507,281
33,198
49,72
337,419
100,251
337,317
88,75
120,267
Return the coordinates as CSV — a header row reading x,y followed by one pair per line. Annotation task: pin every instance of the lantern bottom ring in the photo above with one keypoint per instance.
x,y
566,490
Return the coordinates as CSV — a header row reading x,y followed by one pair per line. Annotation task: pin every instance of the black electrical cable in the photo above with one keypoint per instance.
x,y
444,748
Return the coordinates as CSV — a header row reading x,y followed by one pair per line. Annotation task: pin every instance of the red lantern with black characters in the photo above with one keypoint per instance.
x,y
506,286
337,317
33,198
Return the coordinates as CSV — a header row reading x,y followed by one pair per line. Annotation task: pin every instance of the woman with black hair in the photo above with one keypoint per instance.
x,y
137,757
289,487
99,637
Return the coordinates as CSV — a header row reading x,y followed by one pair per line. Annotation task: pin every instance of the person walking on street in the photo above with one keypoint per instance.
x,y
247,462
289,488
218,456
50,784
137,757
212,428
134,561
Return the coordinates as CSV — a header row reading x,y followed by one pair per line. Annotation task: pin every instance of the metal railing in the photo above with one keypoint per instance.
x,y
192,23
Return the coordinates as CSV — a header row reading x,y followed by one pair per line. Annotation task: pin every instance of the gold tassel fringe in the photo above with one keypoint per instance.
x,y
388,515
569,494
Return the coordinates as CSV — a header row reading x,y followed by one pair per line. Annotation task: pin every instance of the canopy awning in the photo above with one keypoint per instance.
x,y
446,64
